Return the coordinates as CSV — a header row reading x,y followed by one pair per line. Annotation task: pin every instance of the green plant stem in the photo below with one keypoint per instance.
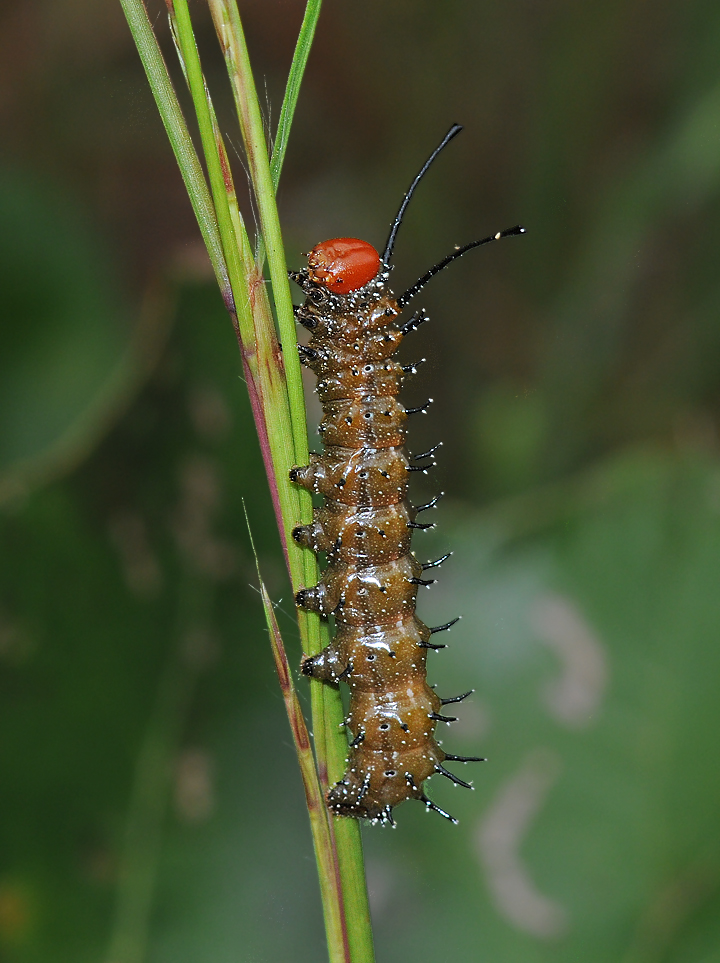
x,y
331,886
292,88
259,346
178,134
330,739
194,178
273,375
230,33
348,843
217,172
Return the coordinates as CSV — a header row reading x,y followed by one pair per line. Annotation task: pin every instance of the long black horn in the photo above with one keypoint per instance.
x,y
387,253
441,265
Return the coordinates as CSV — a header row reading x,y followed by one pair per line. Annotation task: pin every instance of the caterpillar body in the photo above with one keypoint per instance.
x,y
366,524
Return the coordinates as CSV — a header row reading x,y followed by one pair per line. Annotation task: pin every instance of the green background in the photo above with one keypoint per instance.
x,y
150,805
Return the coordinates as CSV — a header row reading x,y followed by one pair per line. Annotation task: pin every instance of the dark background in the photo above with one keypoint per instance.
x,y
150,805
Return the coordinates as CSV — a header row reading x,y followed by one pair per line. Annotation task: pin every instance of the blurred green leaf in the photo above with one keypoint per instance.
x,y
65,337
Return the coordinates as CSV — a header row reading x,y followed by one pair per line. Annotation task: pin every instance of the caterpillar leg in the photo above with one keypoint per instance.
x,y
326,666
312,599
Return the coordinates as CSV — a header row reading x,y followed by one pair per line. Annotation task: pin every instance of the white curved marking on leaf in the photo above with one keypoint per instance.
x,y
498,838
573,698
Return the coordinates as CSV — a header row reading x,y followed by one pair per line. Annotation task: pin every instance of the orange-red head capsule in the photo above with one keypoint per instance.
x,y
343,264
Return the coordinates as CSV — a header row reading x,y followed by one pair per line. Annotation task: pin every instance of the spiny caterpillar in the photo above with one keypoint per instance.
x,y
366,524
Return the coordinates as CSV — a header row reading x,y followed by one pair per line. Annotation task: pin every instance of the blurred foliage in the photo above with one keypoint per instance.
x,y
63,329
150,807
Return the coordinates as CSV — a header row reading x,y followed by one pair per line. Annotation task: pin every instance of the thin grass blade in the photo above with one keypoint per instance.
x,y
328,870
292,88
178,135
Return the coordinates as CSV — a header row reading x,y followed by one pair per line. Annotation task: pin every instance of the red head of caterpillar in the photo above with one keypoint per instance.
x,y
343,264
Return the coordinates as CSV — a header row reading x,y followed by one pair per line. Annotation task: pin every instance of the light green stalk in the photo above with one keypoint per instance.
x,y
274,381
330,741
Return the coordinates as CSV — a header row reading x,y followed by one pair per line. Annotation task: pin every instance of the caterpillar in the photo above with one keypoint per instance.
x,y
366,524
